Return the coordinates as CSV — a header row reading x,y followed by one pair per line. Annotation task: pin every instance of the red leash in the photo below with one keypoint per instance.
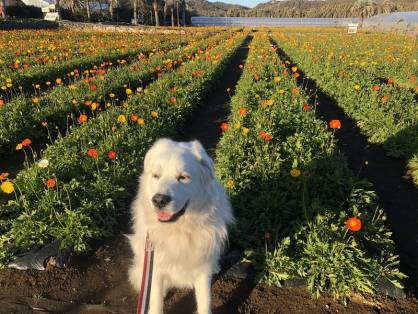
x,y
144,293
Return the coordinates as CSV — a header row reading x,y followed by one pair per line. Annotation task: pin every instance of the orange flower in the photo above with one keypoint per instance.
x,y
93,87
3,176
173,100
294,69
26,142
295,91
2,102
224,126
243,112
92,152
385,99
335,124
353,224
391,81
51,183
296,75
112,154
376,88
306,107
134,118
82,118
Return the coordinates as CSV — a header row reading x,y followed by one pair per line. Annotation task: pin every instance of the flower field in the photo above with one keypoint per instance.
x,y
372,77
301,213
97,102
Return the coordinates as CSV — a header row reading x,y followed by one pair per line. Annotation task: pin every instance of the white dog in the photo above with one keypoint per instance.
x,y
185,211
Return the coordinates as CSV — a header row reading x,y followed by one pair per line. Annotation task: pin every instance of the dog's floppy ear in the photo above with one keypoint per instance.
x,y
158,147
204,159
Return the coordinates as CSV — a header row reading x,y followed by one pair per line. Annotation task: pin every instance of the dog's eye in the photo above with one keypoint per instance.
x,y
183,177
155,176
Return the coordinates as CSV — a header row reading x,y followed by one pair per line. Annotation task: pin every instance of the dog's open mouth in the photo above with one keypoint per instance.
x,y
164,216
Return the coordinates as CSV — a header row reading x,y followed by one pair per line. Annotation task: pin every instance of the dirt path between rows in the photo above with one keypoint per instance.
x,y
97,282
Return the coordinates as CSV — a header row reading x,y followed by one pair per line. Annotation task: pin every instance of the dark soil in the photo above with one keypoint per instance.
x,y
97,282
397,196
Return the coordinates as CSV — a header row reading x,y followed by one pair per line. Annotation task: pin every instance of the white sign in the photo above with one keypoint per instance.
x,y
352,28
51,16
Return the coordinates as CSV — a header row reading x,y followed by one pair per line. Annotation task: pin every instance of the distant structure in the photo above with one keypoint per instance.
x,y
272,22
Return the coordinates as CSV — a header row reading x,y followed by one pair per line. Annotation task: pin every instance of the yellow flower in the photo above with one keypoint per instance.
x,y
7,187
37,86
9,85
74,102
122,119
35,100
125,104
48,83
19,146
294,69
145,91
112,95
357,87
281,91
245,130
58,81
268,102
154,114
295,172
230,183
94,106
277,78
3,87
128,91
140,121
8,80
238,125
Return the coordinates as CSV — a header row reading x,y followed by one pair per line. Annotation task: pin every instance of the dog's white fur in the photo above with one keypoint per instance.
x,y
187,251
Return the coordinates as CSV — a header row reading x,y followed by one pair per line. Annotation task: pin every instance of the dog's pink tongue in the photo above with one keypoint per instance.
x,y
164,216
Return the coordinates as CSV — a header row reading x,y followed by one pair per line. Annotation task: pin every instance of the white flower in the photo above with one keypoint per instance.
x,y
43,163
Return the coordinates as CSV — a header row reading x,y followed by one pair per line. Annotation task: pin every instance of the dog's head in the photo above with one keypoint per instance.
x,y
176,177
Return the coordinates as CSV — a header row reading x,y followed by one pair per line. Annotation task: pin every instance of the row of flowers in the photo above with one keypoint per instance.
x,y
300,211
95,167
385,111
67,105
41,77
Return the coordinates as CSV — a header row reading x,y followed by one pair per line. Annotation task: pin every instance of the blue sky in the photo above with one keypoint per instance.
x,y
247,3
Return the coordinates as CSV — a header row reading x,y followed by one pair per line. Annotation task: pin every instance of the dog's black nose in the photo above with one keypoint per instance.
x,y
161,200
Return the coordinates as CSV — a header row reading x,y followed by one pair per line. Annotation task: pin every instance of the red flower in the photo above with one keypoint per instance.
x,y
3,176
224,126
390,81
51,183
353,224
376,88
2,102
243,111
134,118
26,142
92,152
82,118
93,87
335,124
306,107
112,154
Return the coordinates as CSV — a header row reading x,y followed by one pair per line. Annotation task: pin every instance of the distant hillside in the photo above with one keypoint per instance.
x,y
303,8
206,8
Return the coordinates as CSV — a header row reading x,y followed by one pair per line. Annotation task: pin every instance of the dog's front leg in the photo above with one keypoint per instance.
x,y
156,295
202,290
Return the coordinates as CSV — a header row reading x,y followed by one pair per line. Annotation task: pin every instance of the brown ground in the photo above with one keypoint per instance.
x,y
97,282
100,286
